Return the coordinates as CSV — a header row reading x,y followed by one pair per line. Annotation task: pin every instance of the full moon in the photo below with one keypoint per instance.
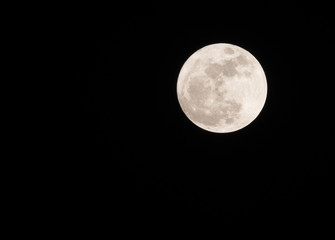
x,y
221,88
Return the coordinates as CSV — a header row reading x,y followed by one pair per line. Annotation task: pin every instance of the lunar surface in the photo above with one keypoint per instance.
x,y
221,88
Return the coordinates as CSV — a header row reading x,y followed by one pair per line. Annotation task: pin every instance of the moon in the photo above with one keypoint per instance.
x,y
221,88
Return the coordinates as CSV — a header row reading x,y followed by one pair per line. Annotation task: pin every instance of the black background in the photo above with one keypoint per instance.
x,y
140,163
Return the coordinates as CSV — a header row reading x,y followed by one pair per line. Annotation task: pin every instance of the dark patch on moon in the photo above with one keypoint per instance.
x,y
231,111
219,82
197,89
242,60
229,120
229,50
247,73
213,70
229,68
218,93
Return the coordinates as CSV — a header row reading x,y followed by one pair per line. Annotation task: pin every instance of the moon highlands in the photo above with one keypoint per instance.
x,y
221,88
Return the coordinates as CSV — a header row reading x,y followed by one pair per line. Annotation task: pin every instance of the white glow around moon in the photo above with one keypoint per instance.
x,y
222,88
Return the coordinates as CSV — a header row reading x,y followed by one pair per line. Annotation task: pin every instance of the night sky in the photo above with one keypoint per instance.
x,y
143,165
